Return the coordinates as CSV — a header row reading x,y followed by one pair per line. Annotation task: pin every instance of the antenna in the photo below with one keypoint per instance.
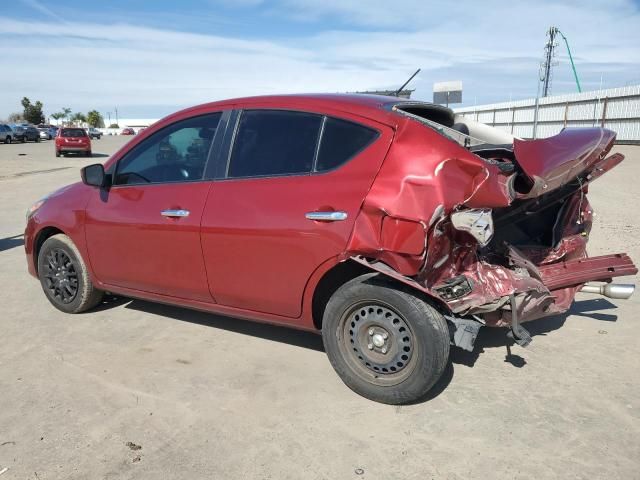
x,y
397,92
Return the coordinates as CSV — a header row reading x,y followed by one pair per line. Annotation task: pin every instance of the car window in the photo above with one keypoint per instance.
x,y
177,153
341,140
73,132
274,142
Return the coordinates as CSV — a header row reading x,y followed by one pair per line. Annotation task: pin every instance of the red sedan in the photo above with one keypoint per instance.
x,y
73,140
393,227
128,131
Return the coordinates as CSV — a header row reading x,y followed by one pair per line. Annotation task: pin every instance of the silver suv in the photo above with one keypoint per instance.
x,y
6,133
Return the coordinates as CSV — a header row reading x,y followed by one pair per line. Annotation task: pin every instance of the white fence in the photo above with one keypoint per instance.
x,y
617,109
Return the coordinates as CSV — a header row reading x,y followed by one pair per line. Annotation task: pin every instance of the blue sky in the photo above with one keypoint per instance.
x,y
149,58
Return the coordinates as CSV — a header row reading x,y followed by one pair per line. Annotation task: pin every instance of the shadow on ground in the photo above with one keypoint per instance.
x,y
11,242
487,338
497,337
297,338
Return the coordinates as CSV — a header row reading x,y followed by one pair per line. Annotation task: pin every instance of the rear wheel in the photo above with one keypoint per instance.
x,y
57,153
385,343
89,154
64,276
37,139
7,140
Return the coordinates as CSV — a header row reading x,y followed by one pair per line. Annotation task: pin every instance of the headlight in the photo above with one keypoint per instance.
x,y
478,222
33,208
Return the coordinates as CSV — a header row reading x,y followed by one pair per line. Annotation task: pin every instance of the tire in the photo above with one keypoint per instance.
x,y
23,140
64,276
89,154
37,139
57,153
399,368
7,140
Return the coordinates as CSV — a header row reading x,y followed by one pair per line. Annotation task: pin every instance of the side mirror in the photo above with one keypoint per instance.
x,y
93,175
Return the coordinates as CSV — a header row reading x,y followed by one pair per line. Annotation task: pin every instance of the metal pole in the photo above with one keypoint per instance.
x,y
548,60
535,112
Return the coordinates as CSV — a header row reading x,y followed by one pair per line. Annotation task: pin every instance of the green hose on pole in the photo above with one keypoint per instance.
x,y
575,74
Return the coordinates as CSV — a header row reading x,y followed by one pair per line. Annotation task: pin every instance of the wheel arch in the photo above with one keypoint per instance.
x,y
41,237
342,272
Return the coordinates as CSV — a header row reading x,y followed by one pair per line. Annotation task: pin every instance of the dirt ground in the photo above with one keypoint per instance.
x,y
204,396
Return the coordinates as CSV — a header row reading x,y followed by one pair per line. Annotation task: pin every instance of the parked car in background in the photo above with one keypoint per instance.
x,y
31,134
19,133
73,140
47,133
6,133
128,131
373,221
94,133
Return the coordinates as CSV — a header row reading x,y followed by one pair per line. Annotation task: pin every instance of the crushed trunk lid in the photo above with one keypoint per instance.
x,y
549,163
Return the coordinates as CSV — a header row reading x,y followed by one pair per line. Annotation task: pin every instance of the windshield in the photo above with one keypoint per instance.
x,y
73,132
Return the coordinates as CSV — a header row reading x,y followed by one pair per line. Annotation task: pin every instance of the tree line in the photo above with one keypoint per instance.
x,y
33,113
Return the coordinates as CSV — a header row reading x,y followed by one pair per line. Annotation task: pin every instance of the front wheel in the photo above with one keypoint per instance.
x,y
385,343
64,276
7,140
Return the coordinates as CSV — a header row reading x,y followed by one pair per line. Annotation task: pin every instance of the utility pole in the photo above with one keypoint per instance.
x,y
117,123
548,63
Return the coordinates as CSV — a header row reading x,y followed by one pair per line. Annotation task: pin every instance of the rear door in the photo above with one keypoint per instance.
x,y
291,188
144,232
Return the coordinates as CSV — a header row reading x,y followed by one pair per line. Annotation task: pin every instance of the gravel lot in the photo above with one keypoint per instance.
x,y
214,397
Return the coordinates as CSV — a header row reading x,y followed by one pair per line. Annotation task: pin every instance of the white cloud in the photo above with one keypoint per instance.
x,y
493,46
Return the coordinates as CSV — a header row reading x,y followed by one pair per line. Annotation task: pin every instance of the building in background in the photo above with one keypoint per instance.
x,y
617,109
136,123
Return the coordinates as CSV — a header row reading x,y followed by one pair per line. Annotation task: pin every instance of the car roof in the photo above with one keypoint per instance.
x,y
375,107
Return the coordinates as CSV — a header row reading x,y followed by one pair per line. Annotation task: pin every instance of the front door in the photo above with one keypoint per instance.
x,y
293,186
144,232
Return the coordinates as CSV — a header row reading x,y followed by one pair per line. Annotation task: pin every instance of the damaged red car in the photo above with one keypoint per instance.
x,y
393,227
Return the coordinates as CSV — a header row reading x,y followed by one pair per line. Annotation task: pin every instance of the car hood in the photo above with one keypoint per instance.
x,y
549,163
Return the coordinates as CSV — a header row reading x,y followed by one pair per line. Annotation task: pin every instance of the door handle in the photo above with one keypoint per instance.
x,y
326,216
174,213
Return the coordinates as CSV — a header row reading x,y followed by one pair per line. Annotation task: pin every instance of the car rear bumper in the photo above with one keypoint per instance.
x,y
74,149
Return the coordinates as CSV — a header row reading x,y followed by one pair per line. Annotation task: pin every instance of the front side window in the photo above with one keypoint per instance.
x,y
274,142
177,153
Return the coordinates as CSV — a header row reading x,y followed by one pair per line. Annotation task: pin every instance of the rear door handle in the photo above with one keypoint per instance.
x,y
174,213
326,216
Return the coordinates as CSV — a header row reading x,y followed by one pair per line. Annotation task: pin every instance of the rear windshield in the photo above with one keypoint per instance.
x,y
440,119
73,132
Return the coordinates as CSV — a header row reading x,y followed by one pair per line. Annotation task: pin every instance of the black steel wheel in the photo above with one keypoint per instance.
x,y
385,342
64,276
378,341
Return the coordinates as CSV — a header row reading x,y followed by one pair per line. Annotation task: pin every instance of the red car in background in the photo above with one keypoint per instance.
x,y
128,131
73,140
393,227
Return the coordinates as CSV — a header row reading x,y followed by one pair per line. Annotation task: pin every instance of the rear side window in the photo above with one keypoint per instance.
x,y
73,132
274,142
342,140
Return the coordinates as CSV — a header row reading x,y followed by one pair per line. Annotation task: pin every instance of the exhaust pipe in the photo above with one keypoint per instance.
x,y
621,291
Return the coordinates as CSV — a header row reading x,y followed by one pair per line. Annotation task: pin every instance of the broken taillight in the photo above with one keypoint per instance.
x,y
478,222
